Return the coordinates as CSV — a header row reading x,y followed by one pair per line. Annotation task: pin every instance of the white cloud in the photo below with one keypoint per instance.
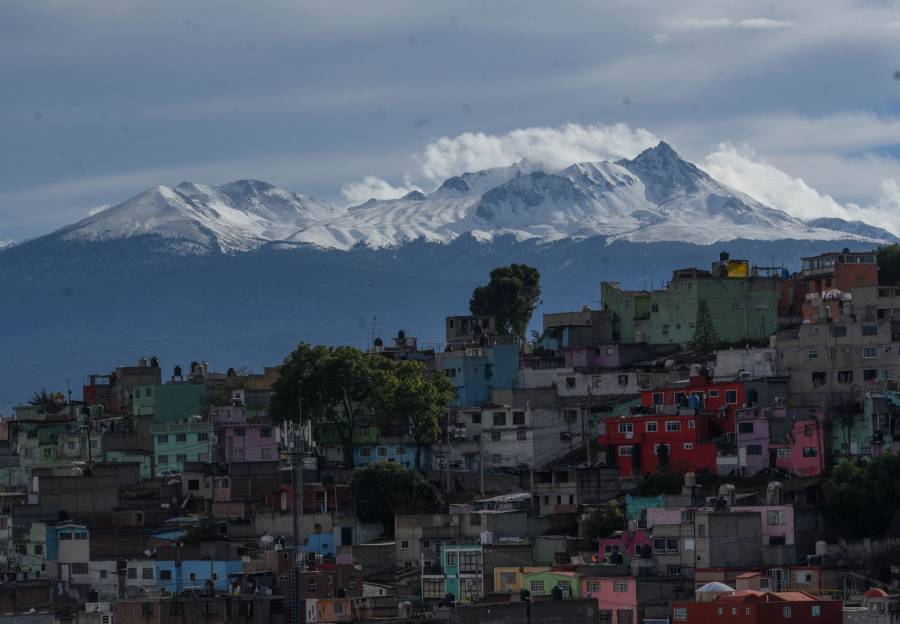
x,y
373,187
755,23
743,169
553,147
661,38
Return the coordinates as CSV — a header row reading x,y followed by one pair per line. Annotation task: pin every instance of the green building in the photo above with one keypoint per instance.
x,y
461,574
169,403
177,443
743,308
144,458
542,583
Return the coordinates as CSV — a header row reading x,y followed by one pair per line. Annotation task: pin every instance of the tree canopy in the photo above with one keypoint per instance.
x,y
864,501
510,296
602,523
408,400
706,339
382,490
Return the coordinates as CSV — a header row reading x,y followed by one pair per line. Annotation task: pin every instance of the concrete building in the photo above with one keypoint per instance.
x,y
169,403
178,442
753,607
460,573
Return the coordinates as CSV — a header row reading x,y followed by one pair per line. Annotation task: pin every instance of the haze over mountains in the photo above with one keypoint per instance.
x,y
238,274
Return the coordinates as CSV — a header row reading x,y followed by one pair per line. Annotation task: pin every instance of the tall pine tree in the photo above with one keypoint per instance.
x,y
706,339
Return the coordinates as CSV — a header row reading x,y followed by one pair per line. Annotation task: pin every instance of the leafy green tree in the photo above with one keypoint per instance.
x,y
510,297
706,339
864,501
602,523
384,489
408,399
888,257
45,401
333,385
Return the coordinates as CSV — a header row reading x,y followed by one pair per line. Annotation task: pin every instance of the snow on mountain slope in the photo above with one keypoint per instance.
x,y
656,196
234,217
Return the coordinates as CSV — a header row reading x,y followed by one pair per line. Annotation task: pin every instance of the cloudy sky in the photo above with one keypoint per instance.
x,y
795,103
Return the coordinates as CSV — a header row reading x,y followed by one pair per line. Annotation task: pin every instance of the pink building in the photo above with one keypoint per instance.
x,y
776,521
803,453
247,442
626,542
616,596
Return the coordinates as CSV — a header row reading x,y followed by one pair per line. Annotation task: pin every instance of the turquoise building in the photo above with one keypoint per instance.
x,y
177,443
169,403
476,371
461,573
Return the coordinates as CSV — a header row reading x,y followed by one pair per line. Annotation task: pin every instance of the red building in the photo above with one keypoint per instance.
x,y
755,607
720,399
644,443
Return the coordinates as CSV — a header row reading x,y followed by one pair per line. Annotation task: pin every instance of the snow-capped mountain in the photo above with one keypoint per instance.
x,y
655,197
196,218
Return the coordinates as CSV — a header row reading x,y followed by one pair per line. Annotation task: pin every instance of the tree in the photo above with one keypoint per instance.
x,y
888,257
602,523
333,385
510,297
864,501
406,398
45,401
706,338
384,489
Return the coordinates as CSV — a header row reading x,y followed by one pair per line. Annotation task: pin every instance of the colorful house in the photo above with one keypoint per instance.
x,y
616,596
461,573
173,576
169,403
669,438
704,394
510,579
403,453
478,370
752,607
246,442
69,546
789,439
176,443
144,458
631,544
543,583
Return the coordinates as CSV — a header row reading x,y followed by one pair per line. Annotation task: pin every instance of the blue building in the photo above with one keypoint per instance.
x,y
403,453
478,370
320,544
173,577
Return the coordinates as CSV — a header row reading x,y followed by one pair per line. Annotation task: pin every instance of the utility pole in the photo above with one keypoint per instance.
x,y
297,509
447,451
481,459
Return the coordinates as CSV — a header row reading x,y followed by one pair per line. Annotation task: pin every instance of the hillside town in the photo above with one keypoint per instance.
x,y
721,449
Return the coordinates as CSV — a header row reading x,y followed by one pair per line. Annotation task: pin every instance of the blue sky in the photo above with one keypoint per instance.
x,y
795,103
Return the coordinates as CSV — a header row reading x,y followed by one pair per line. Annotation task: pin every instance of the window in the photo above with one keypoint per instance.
x,y
496,459
658,398
651,426
79,568
193,485
311,585
147,609
748,611
839,331
870,330
267,453
593,586
65,535
162,459
692,424
565,587
745,427
783,453
518,418
469,562
365,451
570,382
495,436
816,611
812,354
754,449
687,446
620,586
162,439
665,545
810,451
132,573
713,394
433,588
623,380
181,458
521,435
382,451
39,549
475,519
338,608
499,419
786,612
147,574
625,451
239,432
870,374
70,445
845,376
731,397
819,378
181,437
537,587
404,544
661,449
870,352
701,530
103,574
193,576
776,517
673,425
476,419
680,614
137,393
165,575
401,450
202,437
626,427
